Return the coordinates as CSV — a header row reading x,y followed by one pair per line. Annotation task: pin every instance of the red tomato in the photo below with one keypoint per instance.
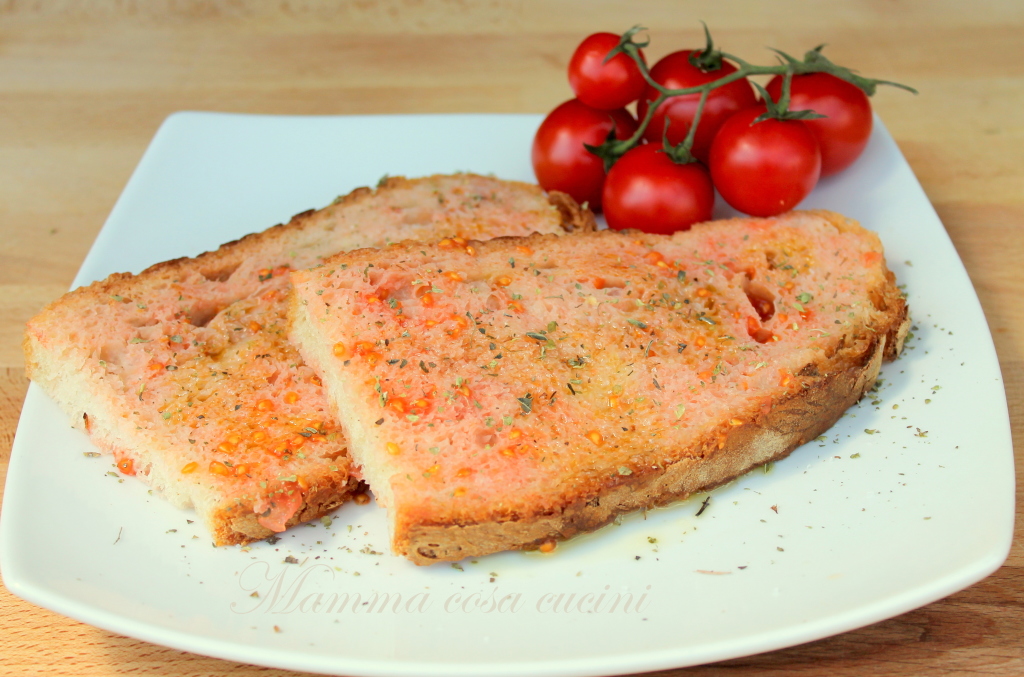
x,y
766,168
676,72
559,159
607,86
646,190
843,133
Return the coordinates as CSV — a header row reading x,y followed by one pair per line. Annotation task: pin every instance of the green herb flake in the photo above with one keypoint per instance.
x,y
701,317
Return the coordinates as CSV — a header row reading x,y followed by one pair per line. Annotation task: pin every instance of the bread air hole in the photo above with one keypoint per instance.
x,y
142,320
203,312
220,274
494,303
761,299
402,291
376,274
335,455
878,300
486,438
417,215
112,353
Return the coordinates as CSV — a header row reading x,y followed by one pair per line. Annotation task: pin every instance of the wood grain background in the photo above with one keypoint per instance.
x,y
84,85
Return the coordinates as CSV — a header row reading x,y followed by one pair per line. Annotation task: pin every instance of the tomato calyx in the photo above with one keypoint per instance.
x,y
779,110
680,154
627,39
710,59
611,150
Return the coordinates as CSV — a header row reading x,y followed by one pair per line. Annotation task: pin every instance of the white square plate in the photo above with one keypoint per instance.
x,y
909,498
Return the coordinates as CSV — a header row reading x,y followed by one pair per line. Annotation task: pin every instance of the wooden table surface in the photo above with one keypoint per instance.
x,y
84,85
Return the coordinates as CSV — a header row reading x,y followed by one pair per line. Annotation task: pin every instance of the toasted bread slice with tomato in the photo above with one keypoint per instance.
x,y
184,373
519,391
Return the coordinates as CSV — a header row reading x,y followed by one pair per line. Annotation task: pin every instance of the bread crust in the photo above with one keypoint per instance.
x,y
75,377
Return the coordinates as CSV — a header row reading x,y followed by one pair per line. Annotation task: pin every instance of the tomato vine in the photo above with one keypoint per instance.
x,y
710,59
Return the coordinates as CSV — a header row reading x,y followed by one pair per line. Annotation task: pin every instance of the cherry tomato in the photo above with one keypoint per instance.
x,y
646,190
676,72
606,86
559,159
766,168
843,133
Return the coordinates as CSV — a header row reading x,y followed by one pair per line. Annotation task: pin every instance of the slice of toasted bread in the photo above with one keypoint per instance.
x,y
185,374
537,387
